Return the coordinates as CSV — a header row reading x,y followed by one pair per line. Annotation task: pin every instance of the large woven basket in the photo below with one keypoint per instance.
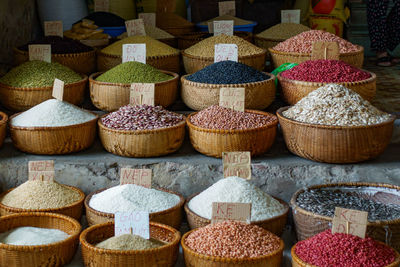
x,y
278,57
84,62
3,127
179,30
173,42
266,43
192,38
73,210
165,255
198,96
171,216
309,224
293,90
194,259
55,254
23,98
275,224
53,140
213,142
111,96
335,144
193,64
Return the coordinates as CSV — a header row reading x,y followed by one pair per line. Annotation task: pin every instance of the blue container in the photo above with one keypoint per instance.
x,y
114,31
242,28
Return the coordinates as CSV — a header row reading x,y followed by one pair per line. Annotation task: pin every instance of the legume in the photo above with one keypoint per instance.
x,y
153,32
283,31
236,21
59,45
129,242
165,20
105,19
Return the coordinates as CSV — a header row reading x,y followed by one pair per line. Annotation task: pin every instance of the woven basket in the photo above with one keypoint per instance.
x,y
53,140
169,62
73,210
335,144
171,216
278,57
266,43
213,142
23,98
198,96
193,64
309,224
165,255
192,38
111,96
84,62
275,224
3,127
55,254
173,42
179,30
194,259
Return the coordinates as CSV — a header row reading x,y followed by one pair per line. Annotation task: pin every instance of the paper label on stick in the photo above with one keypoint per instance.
x,y
101,5
224,52
58,89
135,27
349,221
290,16
237,164
53,28
222,211
42,170
233,98
40,52
325,50
223,27
135,223
227,8
142,94
134,52
140,177
148,18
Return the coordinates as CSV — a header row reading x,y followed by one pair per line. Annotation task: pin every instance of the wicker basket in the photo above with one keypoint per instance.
x,y
275,224
179,30
335,144
194,259
309,224
198,96
55,254
171,216
165,255
173,42
192,38
266,43
213,142
169,62
73,210
111,96
193,64
3,127
53,140
84,62
23,98
293,90
278,57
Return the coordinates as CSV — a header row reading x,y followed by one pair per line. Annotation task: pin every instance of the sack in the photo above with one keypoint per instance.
x,y
333,8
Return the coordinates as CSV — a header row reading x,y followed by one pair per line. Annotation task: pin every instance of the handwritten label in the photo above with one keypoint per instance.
x,y
134,223
223,27
140,177
222,211
135,27
58,89
290,16
42,170
142,94
233,98
348,221
53,28
227,8
101,5
237,164
148,18
40,52
224,52
325,50
134,52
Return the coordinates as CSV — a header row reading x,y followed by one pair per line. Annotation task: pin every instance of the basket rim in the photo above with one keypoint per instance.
x,y
37,248
85,243
93,51
295,207
273,51
263,53
4,118
100,53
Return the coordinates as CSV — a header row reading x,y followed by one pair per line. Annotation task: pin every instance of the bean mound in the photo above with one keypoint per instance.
x,y
283,31
326,71
236,20
59,45
220,118
326,249
233,239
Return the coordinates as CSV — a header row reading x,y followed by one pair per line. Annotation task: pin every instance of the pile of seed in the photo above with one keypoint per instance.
x,y
32,236
59,45
231,239
228,72
236,21
326,249
153,32
143,117
105,19
153,47
302,43
40,195
205,48
220,118
326,71
165,20
133,72
334,104
39,74
283,31
129,242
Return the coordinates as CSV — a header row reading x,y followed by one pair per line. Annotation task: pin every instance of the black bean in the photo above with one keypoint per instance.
x,y
59,45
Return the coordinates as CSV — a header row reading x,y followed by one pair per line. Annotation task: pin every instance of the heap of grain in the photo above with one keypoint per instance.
x,y
129,242
236,21
32,236
283,31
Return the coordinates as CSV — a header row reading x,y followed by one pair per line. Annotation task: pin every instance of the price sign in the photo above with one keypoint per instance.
x,y
224,52
223,27
58,89
148,18
290,16
101,5
40,52
142,94
325,50
135,27
233,98
237,164
134,52
140,177
227,8
41,170
134,223
349,221
53,28
223,211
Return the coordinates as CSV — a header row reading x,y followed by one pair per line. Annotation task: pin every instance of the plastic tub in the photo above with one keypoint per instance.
x,y
243,28
114,31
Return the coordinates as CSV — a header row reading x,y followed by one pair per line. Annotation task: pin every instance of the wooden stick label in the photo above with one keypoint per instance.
x,y
290,16
227,8
140,177
237,164
53,28
223,211
142,94
58,89
134,223
135,27
101,5
349,221
148,18
233,98
223,27
42,170
224,52
40,52
134,52
325,50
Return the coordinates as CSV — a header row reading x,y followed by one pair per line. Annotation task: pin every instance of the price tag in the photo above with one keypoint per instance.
x,y
134,52
148,18
135,27
140,177
54,28
41,170
142,94
348,221
237,164
223,27
134,223
290,16
222,211
325,50
227,8
101,5
233,98
224,52
58,89
40,52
